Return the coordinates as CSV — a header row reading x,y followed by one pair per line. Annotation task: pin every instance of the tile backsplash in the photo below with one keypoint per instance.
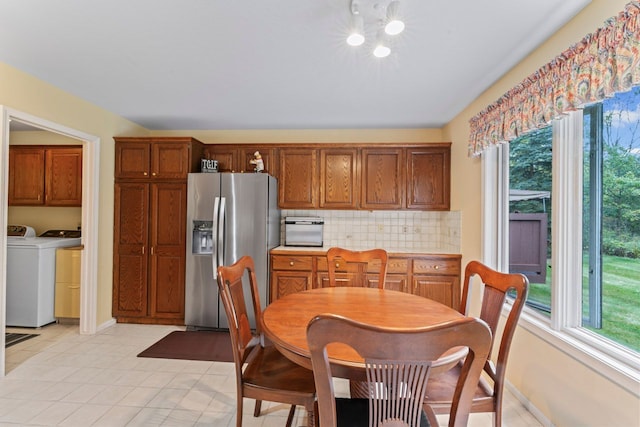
x,y
406,231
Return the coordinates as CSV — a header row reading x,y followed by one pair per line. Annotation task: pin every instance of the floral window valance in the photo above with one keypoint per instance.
x,y
600,65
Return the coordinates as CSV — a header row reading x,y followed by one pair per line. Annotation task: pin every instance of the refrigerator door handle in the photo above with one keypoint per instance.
x,y
221,222
214,253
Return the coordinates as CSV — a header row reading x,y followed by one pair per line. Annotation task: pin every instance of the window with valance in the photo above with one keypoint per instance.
x,y
600,65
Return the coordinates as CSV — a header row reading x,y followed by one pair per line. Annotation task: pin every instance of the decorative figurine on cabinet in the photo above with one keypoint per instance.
x,y
257,161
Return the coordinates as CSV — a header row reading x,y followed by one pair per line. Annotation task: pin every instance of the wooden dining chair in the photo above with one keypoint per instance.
x,y
353,268
489,391
267,374
356,268
398,362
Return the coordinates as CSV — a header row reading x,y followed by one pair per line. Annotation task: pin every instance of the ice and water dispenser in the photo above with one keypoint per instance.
x,y
202,237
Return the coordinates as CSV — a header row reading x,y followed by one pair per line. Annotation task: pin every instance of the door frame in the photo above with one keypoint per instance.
x,y
90,192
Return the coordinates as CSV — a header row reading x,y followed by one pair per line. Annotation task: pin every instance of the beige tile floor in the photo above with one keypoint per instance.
x,y
61,378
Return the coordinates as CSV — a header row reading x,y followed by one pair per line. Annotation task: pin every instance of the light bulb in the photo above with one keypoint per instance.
x,y
356,31
394,27
355,39
394,24
381,51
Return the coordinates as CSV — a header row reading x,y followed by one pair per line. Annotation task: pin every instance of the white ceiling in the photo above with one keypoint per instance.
x,y
279,64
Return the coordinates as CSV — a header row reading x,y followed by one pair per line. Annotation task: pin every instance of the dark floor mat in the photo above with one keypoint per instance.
x,y
13,338
214,346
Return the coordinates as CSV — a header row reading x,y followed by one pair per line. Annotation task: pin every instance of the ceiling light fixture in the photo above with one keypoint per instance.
x,y
394,24
381,14
382,50
356,32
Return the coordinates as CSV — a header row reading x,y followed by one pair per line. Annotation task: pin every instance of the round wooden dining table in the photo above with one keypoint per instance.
x,y
285,322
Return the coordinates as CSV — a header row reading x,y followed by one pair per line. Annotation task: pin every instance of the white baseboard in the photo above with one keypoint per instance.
x,y
106,324
537,414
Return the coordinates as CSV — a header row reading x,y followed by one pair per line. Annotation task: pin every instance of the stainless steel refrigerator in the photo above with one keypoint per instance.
x,y
228,215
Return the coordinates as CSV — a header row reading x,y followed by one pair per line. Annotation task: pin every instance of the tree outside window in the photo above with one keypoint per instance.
x,y
611,215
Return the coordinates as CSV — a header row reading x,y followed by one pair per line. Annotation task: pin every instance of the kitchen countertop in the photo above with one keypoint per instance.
x,y
322,250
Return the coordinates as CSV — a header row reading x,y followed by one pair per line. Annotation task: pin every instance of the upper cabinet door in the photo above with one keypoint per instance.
x,y
338,178
63,176
428,178
132,160
156,158
246,154
382,178
298,183
26,176
45,175
226,155
169,160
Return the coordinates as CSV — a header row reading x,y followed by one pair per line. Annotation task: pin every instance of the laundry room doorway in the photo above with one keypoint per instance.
x,y
12,121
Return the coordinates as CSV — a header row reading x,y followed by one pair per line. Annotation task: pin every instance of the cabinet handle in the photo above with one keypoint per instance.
x,y
145,173
337,265
153,173
435,267
143,250
151,250
291,263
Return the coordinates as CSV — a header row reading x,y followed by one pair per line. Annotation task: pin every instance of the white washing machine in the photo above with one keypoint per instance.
x,y
31,275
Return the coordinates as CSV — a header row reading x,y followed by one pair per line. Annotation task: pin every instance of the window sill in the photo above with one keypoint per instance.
x,y
619,365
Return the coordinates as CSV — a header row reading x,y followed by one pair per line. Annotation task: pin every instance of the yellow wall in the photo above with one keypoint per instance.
x,y
27,94
563,389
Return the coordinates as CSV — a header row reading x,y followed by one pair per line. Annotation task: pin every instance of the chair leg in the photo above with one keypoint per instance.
x,y
257,409
239,412
431,416
311,416
292,412
497,411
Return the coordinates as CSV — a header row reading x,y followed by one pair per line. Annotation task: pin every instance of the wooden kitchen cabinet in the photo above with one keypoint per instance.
x,y
434,276
150,229
428,178
236,158
167,232
269,157
382,178
298,178
226,155
157,158
131,250
437,277
290,274
349,176
45,175
149,252
338,178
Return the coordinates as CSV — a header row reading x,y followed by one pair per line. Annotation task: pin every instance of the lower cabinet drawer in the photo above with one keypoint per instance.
x,y
442,266
292,262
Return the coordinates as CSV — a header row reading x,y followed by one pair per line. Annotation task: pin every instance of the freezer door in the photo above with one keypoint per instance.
x,y
202,304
